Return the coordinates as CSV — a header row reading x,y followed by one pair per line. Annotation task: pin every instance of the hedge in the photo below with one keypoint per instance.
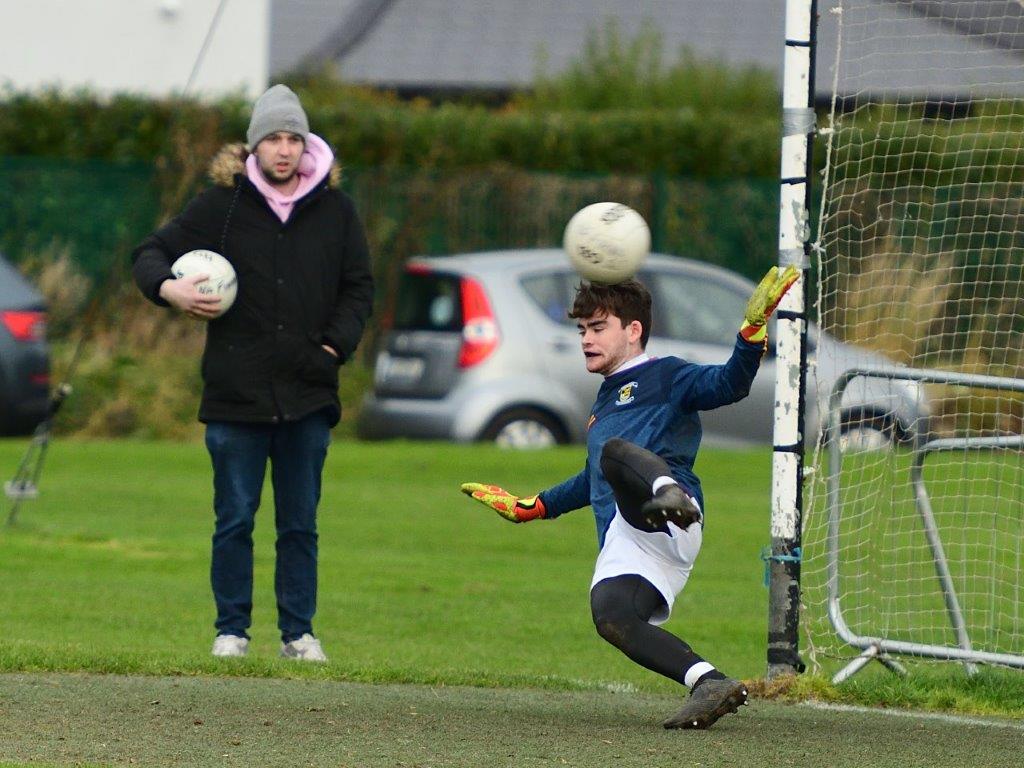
x,y
413,135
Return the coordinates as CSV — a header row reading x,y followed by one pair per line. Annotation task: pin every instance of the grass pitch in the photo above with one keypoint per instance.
x,y
455,637
113,720
108,569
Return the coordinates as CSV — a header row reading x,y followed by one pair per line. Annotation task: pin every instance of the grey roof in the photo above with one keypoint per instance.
x,y
938,48
299,26
1001,22
299,29
498,44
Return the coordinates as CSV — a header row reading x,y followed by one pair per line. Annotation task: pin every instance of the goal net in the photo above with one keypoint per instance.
x,y
918,258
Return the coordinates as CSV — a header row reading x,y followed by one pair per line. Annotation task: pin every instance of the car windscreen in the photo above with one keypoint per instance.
x,y
428,301
553,293
694,308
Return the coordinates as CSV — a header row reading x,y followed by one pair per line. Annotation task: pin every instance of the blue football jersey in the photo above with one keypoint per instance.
x,y
654,405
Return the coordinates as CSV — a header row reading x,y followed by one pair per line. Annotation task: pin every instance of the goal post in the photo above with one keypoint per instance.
x,y
798,121
911,521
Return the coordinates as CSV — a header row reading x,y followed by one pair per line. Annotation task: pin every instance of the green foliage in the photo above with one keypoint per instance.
x,y
74,238
930,154
61,280
413,135
616,72
922,250
618,110
693,145
94,211
137,374
83,125
673,141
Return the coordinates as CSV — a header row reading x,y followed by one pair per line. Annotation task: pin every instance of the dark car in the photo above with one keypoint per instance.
x,y
24,354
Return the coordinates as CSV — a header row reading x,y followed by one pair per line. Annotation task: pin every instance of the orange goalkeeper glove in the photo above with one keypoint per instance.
x,y
506,504
764,300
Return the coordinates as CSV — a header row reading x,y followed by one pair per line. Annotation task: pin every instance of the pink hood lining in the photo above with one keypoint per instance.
x,y
314,165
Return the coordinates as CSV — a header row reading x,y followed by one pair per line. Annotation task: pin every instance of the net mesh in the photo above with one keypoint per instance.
x,y
919,259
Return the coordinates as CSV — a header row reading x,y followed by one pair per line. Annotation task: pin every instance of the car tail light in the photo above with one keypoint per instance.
x,y
417,269
25,325
479,330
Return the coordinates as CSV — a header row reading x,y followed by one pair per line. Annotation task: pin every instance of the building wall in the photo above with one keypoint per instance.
x,y
141,46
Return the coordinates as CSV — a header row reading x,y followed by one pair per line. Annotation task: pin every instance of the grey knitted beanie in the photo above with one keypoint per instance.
x,y
278,109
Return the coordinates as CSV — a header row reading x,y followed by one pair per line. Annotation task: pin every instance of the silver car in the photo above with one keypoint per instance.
x,y
482,349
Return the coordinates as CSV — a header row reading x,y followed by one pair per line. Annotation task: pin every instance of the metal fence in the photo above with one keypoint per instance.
x,y
98,211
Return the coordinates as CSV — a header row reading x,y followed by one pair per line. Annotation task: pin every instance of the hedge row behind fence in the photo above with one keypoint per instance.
x,y
371,131
98,211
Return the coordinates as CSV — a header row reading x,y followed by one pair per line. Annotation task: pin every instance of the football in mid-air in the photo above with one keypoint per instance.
x,y
222,281
607,242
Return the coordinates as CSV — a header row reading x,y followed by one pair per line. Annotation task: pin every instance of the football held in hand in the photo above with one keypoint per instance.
x,y
222,281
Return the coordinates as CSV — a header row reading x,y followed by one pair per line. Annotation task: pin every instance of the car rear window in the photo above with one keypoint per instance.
x,y
428,302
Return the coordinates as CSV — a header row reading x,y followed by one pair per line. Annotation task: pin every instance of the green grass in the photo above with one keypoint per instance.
x,y
108,569
474,634
887,572
888,581
928,686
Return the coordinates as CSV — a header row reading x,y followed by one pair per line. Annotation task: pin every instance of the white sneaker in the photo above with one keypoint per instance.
x,y
230,645
306,648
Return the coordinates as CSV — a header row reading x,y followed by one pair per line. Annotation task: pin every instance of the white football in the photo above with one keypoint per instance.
x,y
222,281
607,242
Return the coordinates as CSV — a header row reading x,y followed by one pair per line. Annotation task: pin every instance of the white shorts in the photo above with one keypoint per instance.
x,y
663,559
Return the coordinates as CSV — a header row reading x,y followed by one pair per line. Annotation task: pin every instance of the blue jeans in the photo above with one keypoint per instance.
x,y
239,452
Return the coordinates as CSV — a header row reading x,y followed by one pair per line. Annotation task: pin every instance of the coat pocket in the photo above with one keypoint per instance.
x,y
319,365
231,371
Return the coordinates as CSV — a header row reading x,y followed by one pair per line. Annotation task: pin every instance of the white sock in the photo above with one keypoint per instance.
x,y
661,482
696,672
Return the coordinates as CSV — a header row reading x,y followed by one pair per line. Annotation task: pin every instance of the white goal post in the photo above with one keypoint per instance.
x,y
783,562
905,532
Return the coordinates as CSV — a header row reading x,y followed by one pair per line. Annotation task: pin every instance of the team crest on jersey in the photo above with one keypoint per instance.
x,y
626,393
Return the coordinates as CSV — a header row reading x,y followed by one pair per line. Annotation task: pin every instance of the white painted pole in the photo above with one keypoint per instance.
x,y
791,336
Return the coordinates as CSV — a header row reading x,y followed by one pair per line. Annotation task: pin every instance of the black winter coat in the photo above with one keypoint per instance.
x,y
301,284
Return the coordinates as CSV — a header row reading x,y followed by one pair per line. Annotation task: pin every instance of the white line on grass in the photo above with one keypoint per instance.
x,y
598,685
956,719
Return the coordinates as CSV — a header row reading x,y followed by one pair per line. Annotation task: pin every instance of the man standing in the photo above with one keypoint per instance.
x,y
642,441
270,365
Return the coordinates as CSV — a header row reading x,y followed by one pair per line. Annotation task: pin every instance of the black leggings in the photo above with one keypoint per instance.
x,y
622,607
631,470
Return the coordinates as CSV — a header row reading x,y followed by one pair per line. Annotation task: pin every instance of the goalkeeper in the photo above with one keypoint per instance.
x,y
642,440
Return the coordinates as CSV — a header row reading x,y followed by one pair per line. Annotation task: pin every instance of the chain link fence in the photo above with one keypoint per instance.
x,y
96,212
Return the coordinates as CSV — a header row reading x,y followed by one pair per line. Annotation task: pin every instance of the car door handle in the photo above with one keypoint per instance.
x,y
561,345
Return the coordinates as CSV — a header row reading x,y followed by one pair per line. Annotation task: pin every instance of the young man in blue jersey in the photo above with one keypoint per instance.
x,y
642,440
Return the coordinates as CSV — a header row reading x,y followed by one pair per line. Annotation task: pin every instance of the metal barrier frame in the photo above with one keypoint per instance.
x,y
877,647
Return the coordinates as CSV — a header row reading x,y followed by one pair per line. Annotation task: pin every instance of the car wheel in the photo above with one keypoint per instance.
x,y
863,437
869,431
524,428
